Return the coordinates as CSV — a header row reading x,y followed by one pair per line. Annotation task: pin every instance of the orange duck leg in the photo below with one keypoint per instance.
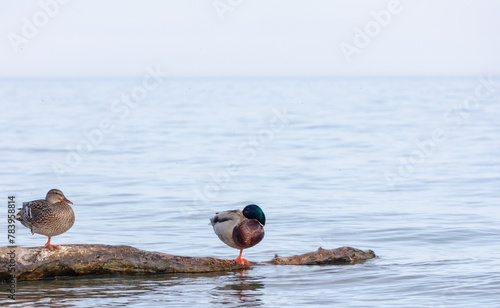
x,y
50,247
240,260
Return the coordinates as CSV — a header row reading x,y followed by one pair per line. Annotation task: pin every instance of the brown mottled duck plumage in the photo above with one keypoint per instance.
x,y
50,217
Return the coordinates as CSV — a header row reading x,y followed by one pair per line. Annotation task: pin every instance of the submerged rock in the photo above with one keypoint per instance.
x,y
75,260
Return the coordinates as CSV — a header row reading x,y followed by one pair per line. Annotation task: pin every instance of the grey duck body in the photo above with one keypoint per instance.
x,y
224,224
236,230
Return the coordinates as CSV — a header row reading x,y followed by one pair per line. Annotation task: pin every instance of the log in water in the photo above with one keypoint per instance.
x,y
75,260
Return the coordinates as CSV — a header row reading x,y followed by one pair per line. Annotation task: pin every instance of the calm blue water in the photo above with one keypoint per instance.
x,y
406,167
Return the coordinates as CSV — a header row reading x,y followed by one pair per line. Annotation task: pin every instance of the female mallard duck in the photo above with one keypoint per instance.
x,y
49,217
240,230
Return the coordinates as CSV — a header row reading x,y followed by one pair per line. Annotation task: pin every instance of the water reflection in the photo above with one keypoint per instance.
x,y
242,289
114,290
233,289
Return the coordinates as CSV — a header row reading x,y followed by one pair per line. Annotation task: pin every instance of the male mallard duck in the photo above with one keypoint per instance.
x,y
240,230
49,217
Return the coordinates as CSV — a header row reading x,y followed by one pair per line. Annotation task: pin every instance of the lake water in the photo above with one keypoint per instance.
x,y
407,167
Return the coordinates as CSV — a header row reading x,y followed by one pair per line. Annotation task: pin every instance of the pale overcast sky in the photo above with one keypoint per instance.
x,y
249,37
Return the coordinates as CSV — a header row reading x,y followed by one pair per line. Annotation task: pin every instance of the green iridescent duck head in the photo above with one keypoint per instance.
x,y
253,211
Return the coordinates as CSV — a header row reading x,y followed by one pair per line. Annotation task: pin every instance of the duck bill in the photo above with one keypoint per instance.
x,y
65,200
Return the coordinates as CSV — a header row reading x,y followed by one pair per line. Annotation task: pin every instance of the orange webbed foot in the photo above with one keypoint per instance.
x,y
242,261
51,247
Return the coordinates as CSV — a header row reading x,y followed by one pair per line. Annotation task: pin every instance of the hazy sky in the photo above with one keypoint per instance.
x,y
249,37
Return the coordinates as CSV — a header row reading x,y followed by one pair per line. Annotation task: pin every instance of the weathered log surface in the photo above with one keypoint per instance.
x,y
73,260
342,255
